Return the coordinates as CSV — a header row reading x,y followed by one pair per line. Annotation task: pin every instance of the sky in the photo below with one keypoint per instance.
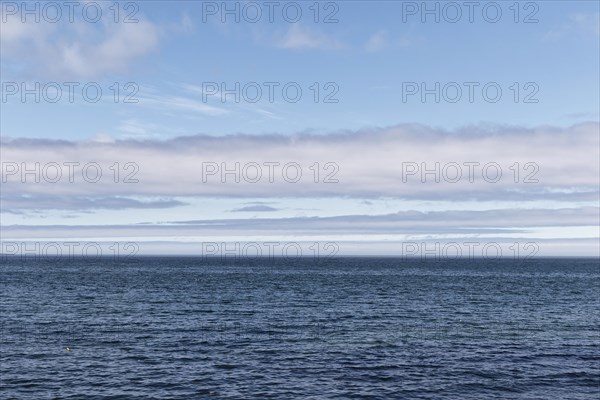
x,y
350,127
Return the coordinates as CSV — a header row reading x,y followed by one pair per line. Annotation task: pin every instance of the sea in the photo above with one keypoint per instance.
x,y
338,328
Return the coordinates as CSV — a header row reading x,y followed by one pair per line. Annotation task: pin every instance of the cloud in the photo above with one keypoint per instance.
x,y
439,222
75,50
184,26
255,208
179,103
380,40
298,37
542,163
589,22
17,204
498,223
377,42
135,127
581,24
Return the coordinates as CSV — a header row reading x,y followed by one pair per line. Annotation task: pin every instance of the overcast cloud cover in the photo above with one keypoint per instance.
x,y
349,172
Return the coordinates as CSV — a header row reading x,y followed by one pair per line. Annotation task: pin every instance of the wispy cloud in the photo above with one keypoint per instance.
x,y
255,208
378,41
76,50
485,226
14,203
299,37
589,22
586,24
180,103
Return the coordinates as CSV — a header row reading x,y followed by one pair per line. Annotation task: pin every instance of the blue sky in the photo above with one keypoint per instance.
x,y
366,64
368,54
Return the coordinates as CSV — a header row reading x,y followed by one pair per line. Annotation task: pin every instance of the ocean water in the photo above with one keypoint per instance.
x,y
361,328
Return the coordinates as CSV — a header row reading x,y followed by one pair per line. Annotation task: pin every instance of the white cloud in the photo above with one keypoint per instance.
x,y
587,22
76,50
533,232
377,42
380,40
366,164
180,103
169,177
103,138
298,37
184,26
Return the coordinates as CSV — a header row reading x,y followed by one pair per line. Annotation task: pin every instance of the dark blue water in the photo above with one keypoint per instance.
x,y
341,328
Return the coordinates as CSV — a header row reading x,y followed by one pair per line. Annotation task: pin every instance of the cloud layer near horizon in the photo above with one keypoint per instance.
x,y
557,166
552,163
